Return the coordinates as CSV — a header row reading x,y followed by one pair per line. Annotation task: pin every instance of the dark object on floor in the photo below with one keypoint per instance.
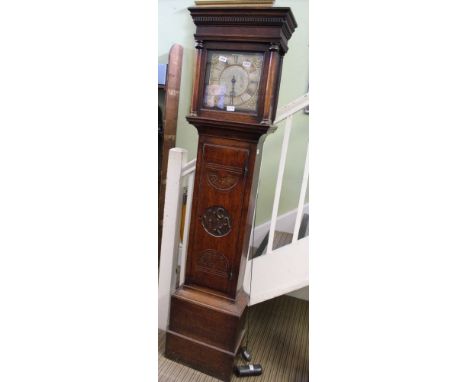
x,y
248,370
246,356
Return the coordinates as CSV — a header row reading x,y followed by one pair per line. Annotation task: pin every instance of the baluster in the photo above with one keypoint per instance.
x,y
279,181
188,213
300,207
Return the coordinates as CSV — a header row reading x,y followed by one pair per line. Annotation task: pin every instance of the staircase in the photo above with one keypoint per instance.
x,y
278,263
281,238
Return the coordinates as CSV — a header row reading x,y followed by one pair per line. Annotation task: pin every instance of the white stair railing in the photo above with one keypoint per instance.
x,y
284,269
189,173
179,172
288,262
279,182
286,113
300,207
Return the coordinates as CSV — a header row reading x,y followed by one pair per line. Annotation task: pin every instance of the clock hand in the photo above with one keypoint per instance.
x,y
233,93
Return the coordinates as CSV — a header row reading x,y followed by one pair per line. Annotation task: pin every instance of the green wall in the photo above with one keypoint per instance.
x,y
175,26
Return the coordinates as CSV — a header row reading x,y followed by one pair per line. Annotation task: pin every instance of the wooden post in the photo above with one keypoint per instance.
x,y
171,107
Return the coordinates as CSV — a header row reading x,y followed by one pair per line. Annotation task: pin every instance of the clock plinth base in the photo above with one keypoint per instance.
x,y
205,331
197,355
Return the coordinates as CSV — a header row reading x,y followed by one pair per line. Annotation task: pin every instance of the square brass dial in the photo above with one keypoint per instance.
x,y
232,80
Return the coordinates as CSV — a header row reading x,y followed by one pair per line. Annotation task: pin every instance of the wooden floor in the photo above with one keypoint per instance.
x,y
279,330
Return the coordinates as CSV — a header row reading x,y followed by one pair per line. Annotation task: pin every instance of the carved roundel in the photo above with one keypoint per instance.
x,y
216,221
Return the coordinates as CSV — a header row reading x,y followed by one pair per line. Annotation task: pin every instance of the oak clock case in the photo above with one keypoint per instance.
x,y
238,62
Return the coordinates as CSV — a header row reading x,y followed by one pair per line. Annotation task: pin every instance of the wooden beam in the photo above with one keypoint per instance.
x,y
171,110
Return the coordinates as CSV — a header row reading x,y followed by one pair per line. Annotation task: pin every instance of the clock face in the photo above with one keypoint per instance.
x,y
232,80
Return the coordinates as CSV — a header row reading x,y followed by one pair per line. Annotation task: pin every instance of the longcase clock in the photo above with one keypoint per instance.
x,y
239,53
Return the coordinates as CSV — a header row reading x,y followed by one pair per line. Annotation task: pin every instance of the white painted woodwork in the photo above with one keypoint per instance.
x,y
189,167
300,207
282,271
284,223
279,181
292,108
188,209
170,235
